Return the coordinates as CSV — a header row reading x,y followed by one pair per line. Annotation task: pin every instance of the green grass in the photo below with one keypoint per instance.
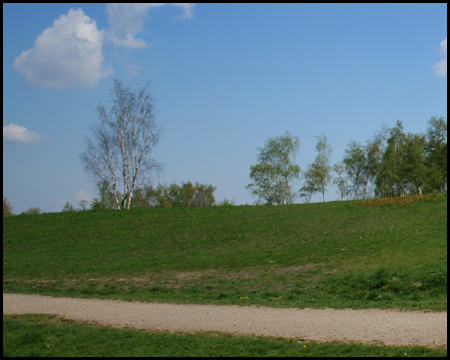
x,y
336,255
52,336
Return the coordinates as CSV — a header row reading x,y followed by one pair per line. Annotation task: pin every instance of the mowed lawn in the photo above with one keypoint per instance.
x,y
335,255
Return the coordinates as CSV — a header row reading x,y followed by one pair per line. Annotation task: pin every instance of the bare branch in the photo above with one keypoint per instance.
x,y
123,142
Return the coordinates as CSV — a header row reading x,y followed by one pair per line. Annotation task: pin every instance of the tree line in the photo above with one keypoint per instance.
x,y
392,163
118,159
164,195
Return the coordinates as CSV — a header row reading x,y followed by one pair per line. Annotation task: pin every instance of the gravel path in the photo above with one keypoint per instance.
x,y
391,327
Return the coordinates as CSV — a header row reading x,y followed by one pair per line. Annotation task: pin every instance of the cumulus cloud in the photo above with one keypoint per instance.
x,y
20,134
66,55
126,21
441,67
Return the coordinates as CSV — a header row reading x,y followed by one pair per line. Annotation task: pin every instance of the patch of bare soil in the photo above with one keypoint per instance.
x,y
391,327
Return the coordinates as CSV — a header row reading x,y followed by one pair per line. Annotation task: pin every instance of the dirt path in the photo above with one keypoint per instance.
x,y
388,326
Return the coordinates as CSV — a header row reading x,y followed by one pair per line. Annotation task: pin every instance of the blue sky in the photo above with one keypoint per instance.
x,y
225,77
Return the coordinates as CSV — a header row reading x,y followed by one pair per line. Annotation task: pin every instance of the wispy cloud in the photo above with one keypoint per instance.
x,y
21,134
127,20
188,9
82,195
66,55
441,67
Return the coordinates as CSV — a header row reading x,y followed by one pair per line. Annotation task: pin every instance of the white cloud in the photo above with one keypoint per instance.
x,y
441,67
61,201
126,21
187,9
18,133
82,195
66,55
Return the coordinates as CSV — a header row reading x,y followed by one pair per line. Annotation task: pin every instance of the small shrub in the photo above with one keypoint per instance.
x,y
7,208
68,207
32,210
226,202
400,200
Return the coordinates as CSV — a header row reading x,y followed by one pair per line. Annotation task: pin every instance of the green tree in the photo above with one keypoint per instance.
x,y
275,171
139,199
123,143
355,163
204,195
415,170
374,152
106,201
7,208
318,175
310,186
436,155
174,195
390,179
340,181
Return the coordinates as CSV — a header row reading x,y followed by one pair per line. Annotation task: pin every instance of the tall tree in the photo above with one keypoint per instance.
x,y
415,171
273,175
390,179
436,154
310,186
355,164
123,142
340,181
318,174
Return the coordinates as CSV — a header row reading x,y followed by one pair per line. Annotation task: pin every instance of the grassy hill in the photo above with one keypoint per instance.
x,y
336,254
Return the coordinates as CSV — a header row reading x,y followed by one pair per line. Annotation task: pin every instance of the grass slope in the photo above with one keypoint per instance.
x,y
336,254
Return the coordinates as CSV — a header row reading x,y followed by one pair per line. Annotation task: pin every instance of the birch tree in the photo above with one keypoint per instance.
x,y
318,174
120,151
356,166
272,177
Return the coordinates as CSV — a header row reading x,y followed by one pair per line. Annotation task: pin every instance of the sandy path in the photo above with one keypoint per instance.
x,y
388,326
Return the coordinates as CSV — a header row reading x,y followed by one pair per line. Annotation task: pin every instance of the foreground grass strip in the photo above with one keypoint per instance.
x,y
336,255
49,335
